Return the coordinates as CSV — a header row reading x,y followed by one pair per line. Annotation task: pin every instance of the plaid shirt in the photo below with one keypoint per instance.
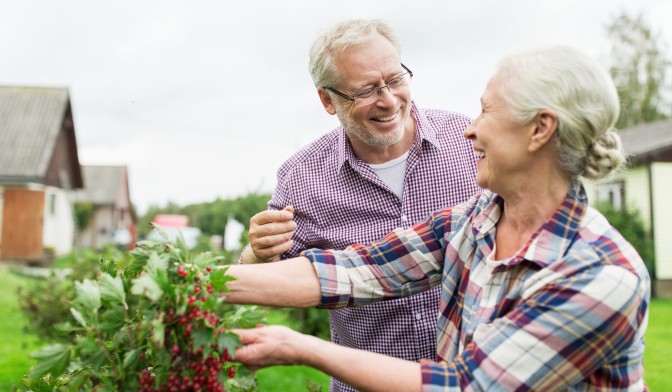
x,y
340,201
567,312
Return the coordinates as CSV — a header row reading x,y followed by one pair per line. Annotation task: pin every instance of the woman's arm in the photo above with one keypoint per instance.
x,y
366,371
291,283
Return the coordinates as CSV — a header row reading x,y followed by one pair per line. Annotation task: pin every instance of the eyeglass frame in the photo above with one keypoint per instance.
x,y
377,89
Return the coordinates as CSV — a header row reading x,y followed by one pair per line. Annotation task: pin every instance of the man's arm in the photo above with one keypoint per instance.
x,y
270,235
292,284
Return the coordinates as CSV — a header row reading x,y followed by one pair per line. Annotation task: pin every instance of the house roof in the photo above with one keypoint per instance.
x,y
101,183
31,119
648,142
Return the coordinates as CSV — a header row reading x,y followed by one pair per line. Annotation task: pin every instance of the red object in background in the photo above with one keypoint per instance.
x,y
171,220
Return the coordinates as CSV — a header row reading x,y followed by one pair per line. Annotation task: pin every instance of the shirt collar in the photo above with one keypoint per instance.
x,y
553,238
423,131
557,234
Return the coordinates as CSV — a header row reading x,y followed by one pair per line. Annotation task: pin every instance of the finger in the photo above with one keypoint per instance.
x,y
273,228
269,216
289,208
270,241
269,253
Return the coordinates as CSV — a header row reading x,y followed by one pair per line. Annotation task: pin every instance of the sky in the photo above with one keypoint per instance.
x,y
205,99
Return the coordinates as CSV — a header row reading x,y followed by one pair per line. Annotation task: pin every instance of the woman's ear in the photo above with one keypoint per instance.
x,y
545,127
326,100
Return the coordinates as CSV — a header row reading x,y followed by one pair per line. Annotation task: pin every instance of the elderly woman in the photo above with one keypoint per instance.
x,y
539,292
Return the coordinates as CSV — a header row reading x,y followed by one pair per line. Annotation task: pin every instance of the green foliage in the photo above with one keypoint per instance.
x,y
212,217
631,226
154,321
47,301
83,214
312,321
640,69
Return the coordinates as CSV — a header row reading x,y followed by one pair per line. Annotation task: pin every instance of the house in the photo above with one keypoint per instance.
x,y
112,219
646,186
39,167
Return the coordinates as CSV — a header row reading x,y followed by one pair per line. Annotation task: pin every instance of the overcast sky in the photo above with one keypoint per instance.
x,y
205,99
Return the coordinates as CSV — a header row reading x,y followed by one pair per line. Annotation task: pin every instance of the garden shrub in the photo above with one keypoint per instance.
x,y
154,321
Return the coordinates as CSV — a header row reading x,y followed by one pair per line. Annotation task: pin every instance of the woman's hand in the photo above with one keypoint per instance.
x,y
269,346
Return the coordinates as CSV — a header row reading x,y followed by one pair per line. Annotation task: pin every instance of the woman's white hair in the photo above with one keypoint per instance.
x,y
338,39
582,94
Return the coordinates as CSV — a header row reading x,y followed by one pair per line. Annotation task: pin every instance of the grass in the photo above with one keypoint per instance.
x,y
658,345
16,345
288,378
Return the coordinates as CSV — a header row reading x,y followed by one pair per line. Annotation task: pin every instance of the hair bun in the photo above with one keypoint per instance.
x,y
604,156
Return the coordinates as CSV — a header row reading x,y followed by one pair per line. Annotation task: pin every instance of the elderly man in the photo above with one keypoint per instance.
x,y
388,165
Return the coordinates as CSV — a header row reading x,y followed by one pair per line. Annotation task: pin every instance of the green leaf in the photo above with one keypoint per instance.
x,y
51,359
246,317
40,385
78,316
130,359
228,341
88,295
147,286
159,229
108,266
157,263
137,265
113,319
219,279
158,335
66,327
88,347
205,259
91,352
201,337
112,289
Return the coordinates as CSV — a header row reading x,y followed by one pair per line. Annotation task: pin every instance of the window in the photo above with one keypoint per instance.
x,y
52,204
612,193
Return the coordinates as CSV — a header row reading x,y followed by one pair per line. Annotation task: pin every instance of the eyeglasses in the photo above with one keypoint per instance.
x,y
371,95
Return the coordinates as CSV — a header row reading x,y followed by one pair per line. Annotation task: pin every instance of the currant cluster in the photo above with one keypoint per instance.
x,y
192,369
190,375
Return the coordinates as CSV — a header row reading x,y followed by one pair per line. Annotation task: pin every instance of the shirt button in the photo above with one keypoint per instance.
x,y
418,316
404,218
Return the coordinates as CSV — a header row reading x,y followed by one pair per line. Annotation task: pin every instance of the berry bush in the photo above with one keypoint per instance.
x,y
155,321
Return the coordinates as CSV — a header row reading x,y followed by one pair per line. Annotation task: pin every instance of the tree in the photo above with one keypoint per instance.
x,y
640,69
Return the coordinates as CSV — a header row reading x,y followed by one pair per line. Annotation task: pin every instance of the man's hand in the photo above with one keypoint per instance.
x,y
270,235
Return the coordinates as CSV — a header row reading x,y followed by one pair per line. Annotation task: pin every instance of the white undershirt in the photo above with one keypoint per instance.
x,y
392,173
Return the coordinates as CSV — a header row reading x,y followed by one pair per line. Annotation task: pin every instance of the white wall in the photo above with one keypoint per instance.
x,y
661,173
59,222
2,204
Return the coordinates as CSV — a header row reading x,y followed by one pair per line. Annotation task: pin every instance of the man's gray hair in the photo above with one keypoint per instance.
x,y
338,39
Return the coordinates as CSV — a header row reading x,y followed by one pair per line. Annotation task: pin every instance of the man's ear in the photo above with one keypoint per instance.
x,y
326,100
545,127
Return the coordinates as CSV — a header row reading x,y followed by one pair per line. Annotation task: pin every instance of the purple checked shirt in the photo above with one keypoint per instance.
x,y
340,201
567,312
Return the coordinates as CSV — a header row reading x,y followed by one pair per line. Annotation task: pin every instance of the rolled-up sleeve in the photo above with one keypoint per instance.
x,y
405,262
